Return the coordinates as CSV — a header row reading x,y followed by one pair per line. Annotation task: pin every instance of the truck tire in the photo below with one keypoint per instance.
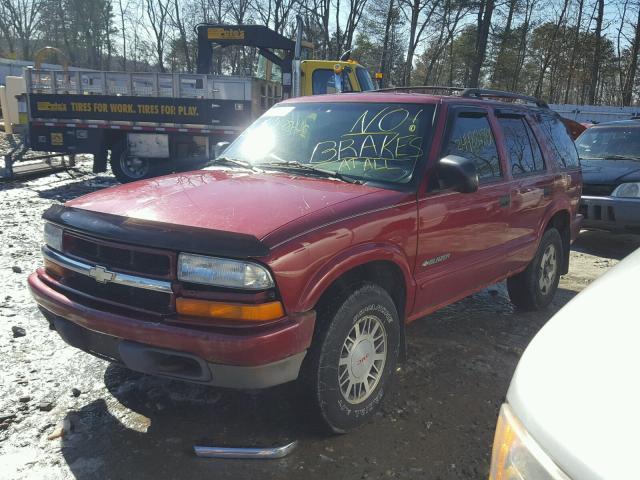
x,y
534,288
126,168
352,358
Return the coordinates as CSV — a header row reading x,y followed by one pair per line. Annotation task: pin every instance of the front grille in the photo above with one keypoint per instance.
x,y
135,260
119,295
131,260
597,190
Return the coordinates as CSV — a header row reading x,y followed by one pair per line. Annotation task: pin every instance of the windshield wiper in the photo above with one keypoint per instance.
x,y
233,161
621,157
294,165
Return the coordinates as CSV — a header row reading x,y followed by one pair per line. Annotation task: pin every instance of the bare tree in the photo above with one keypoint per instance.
x,y
176,20
6,30
630,78
344,37
485,14
549,52
505,42
384,60
574,50
23,18
158,15
449,22
275,13
522,43
123,8
319,12
420,14
597,53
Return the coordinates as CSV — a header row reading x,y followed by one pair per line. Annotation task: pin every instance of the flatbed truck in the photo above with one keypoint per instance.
x,y
146,124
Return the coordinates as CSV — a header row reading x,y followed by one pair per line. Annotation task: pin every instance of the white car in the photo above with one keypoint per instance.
x,y
573,407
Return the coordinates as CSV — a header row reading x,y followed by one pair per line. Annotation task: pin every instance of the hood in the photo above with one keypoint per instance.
x,y
610,172
225,200
576,387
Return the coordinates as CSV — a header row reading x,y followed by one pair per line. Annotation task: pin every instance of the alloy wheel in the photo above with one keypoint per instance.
x,y
362,359
548,269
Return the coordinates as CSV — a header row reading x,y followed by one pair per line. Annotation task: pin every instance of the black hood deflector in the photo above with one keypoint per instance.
x,y
152,234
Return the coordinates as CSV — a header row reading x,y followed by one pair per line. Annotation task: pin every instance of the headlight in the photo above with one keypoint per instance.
x,y
517,456
627,190
223,272
53,236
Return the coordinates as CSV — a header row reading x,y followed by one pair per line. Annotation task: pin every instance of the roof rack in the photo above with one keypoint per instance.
x,y
428,89
485,92
466,92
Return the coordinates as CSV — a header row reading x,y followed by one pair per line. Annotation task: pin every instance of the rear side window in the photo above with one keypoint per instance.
x,y
522,148
471,137
559,141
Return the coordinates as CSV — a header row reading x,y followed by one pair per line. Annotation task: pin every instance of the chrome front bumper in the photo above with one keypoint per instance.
x,y
611,213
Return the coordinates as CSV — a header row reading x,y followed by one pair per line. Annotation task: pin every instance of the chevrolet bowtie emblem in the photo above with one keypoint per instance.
x,y
101,274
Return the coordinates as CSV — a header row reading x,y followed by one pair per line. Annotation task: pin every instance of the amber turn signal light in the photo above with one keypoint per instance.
x,y
261,312
53,269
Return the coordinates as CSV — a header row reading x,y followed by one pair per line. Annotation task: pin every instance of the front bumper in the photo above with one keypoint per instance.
x,y
256,358
611,213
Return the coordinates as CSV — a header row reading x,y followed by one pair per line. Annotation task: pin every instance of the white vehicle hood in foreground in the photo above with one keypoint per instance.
x,y
577,386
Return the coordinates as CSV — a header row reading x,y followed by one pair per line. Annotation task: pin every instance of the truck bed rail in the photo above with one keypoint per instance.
x,y
167,85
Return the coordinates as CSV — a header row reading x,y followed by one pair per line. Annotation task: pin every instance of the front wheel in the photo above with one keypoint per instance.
x,y
534,288
353,357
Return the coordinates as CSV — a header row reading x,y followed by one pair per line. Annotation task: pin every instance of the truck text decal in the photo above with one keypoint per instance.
x,y
140,109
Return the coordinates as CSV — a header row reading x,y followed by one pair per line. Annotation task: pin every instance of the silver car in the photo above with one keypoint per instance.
x,y
573,407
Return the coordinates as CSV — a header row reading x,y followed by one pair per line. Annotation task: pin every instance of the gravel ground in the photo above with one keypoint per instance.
x,y
436,423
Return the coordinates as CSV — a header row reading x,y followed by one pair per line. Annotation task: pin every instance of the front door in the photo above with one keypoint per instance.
x,y
461,235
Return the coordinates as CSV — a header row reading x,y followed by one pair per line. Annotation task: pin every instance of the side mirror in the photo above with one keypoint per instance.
x,y
219,149
458,173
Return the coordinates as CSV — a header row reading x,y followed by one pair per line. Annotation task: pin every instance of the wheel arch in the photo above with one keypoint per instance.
x,y
384,266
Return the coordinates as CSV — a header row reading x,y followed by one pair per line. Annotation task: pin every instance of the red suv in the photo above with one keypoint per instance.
x,y
313,239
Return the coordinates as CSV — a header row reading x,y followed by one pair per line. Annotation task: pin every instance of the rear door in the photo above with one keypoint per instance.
x,y
461,235
532,185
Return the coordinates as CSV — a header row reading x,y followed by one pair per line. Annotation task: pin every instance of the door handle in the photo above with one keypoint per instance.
x,y
546,191
504,201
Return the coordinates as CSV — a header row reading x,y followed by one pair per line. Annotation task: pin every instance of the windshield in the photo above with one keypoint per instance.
x,y
366,141
620,142
327,81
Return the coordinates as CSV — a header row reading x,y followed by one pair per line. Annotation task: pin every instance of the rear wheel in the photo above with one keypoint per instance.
x,y
129,168
353,356
534,288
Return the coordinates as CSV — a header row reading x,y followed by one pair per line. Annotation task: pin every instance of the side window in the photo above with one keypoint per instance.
x,y
364,79
324,81
559,141
537,152
522,147
471,137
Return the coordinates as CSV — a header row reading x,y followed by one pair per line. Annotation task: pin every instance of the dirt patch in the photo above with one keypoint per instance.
x,y
65,414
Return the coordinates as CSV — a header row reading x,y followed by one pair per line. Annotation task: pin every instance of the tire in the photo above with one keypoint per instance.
x,y
534,288
129,169
357,338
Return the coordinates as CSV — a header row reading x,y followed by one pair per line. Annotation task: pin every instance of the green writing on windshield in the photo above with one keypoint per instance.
x,y
387,139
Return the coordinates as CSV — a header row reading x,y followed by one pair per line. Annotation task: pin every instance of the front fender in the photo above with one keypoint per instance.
x,y
349,259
